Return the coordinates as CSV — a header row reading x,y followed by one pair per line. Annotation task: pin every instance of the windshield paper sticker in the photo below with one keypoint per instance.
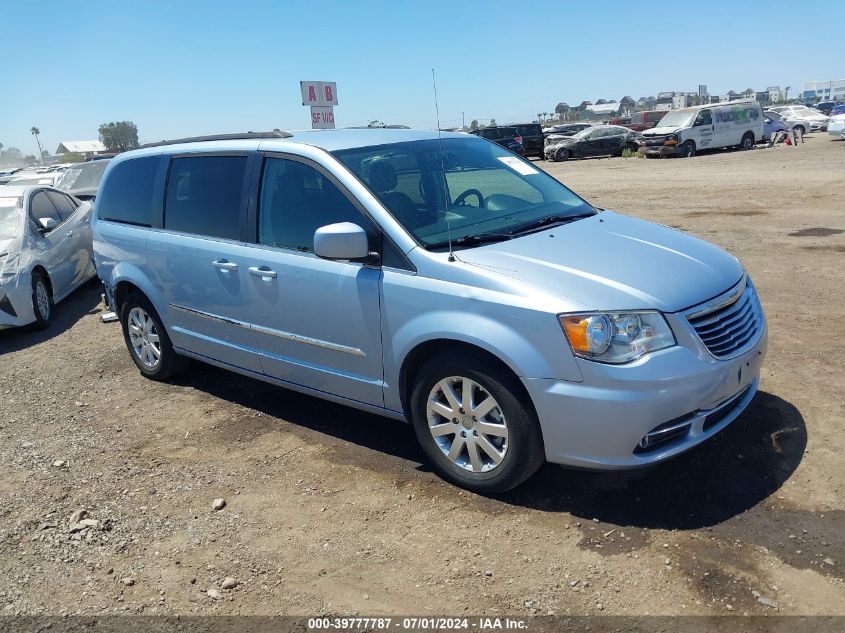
x,y
518,166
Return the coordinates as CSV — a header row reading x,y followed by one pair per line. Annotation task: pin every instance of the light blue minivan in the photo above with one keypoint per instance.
x,y
439,280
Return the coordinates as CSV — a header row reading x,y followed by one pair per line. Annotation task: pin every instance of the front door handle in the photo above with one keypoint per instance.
x,y
224,264
69,234
263,272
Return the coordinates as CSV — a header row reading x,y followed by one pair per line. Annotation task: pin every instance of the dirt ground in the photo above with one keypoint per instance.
x,y
329,510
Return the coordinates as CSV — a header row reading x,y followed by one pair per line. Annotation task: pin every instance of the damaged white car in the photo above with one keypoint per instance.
x,y
45,252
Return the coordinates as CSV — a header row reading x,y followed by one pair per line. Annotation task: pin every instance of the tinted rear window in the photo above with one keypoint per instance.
x,y
204,196
529,130
127,194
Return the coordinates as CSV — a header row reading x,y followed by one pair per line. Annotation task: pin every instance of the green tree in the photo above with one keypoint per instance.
x,y
119,136
473,124
492,122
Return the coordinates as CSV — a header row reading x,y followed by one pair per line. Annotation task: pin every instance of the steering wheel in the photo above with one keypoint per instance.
x,y
461,199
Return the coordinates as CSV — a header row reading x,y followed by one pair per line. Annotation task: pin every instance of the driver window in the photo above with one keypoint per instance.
x,y
296,200
704,118
41,207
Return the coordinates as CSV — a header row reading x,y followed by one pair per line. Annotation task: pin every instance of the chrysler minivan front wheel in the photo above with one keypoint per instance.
x,y
474,423
147,341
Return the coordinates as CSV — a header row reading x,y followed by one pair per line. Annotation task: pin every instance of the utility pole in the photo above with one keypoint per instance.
x,y
463,119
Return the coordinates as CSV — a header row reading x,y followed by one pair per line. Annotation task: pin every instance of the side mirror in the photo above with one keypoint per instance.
x,y
343,241
46,225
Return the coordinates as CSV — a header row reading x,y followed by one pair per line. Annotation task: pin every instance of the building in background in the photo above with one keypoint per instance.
x,y
86,148
831,90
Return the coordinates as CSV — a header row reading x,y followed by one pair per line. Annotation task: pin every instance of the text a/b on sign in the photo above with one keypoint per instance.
x,y
322,117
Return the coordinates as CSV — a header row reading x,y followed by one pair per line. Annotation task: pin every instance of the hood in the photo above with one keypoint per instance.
x,y
614,262
660,131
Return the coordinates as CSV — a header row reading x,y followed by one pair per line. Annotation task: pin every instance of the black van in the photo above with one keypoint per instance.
x,y
532,138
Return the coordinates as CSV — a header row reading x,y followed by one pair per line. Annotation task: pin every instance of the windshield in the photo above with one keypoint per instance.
x,y
10,217
82,176
487,189
678,118
587,131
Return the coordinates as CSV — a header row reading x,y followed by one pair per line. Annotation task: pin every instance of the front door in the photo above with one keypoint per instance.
x,y
56,245
316,322
592,145
703,130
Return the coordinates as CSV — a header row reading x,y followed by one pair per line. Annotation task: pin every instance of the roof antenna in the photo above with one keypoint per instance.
x,y
442,171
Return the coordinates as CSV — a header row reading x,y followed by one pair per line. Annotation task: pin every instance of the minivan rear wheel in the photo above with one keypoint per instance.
x,y
147,340
475,423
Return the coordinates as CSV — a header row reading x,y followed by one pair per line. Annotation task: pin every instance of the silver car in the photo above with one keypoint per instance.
x,y
45,252
438,280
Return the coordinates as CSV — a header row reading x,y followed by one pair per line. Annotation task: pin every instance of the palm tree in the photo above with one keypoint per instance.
x,y
786,93
35,132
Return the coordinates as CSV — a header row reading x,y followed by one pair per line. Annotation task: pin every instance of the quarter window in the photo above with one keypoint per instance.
x,y
204,196
296,200
127,194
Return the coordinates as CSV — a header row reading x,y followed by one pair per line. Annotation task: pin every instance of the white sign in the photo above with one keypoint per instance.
x,y
322,118
318,93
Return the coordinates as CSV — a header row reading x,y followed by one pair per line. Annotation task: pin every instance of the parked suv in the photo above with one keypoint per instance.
x,y
507,137
532,138
437,279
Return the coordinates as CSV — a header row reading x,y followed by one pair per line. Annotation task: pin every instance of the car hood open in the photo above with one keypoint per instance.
x,y
614,262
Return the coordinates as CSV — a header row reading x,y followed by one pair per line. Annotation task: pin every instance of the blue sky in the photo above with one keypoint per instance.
x,y
184,67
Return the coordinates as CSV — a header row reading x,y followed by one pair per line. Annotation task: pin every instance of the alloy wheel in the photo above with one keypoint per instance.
x,y
467,424
144,338
42,300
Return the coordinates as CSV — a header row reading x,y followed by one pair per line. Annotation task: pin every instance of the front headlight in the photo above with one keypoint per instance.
x,y
616,337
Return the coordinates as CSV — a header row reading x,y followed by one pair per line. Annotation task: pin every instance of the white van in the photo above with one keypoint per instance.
x,y
684,131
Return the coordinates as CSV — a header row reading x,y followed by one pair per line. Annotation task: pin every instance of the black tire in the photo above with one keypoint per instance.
x,y
43,310
747,141
168,363
687,149
524,452
562,154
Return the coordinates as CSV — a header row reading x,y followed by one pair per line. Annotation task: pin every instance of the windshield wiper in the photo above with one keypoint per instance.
x,y
478,238
548,220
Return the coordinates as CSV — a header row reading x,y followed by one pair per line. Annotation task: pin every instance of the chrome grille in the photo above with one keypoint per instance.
x,y
730,323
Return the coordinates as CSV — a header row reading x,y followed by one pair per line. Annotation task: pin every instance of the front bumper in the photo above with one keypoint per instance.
x,y
600,423
659,150
16,302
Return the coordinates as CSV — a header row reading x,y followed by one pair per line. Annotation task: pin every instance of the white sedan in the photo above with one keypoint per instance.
x,y
836,126
45,252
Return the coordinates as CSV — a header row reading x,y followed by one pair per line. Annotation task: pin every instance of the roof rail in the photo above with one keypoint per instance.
x,y
222,137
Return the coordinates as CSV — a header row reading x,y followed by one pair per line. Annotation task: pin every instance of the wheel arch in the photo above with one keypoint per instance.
x,y
125,278
426,350
40,270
